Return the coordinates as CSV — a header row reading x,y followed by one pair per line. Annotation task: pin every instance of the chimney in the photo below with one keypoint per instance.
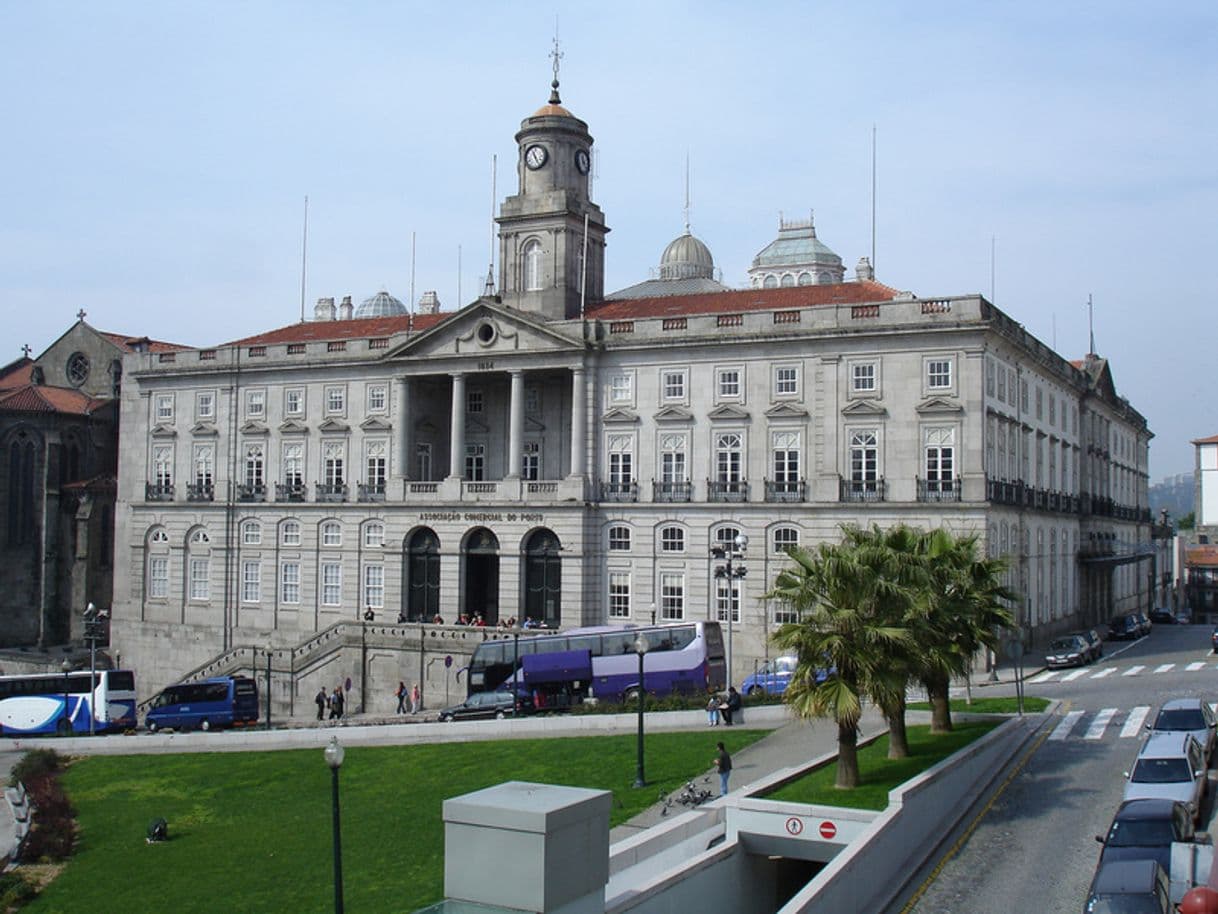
x,y
346,309
324,310
863,269
429,303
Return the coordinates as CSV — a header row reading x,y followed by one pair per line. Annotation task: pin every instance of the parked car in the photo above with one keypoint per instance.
x,y
1187,715
1095,644
1145,830
482,705
1144,621
1068,650
773,676
1125,627
1170,765
1161,615
1214,639
1130,887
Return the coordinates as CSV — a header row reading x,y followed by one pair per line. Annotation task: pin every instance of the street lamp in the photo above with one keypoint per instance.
x,y
640,648
93,620
334,758
65,725
731,555
269,650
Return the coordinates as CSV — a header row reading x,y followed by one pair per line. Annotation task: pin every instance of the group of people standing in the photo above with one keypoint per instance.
x,y
409,700
330,701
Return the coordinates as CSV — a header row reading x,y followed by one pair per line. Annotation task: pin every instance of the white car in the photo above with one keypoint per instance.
x,y
1187,715
1170,765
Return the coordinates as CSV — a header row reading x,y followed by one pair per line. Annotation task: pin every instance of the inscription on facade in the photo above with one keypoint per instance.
x,y
481,517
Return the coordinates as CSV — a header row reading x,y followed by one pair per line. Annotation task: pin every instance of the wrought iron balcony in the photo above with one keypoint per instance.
x,y
290,491
939,489
158,491
200,491
727,490
672,491
254,491
785,491
331,491
371,491
863,490
619,491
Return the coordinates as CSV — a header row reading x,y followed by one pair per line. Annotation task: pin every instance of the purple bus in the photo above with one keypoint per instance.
x,y
602,662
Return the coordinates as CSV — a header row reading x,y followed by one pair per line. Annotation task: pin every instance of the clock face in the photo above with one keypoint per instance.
x,y
582,162
535,156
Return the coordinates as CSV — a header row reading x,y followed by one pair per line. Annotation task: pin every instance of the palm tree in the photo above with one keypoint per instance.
x,y
839,592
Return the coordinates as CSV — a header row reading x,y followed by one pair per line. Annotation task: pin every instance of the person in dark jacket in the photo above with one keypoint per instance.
x,y
723,762
730,705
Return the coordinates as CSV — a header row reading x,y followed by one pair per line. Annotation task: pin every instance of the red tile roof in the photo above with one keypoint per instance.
x,y
1201,555
844,293
370,327
128,343
16,374
1212,439
34,398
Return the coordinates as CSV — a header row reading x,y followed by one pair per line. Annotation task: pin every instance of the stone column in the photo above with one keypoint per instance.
x,y
516,427
579,425
456,443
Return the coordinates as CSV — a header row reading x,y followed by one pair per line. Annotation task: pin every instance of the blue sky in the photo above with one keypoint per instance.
x,y
156,158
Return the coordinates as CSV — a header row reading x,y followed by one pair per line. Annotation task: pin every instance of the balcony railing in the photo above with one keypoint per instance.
x,y
371,491
727,490
939,489
863,490
785,491
200,491
619,491
251,491
672,491
290,491
331,491
158,491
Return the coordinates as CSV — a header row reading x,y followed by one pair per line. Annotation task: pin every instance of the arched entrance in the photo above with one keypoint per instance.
x,y
480,574
421,595
543,578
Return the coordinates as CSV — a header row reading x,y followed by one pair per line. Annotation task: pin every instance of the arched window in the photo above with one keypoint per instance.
x,y
531,257
251,533
331,534
771,281
198,567
788,281
672,539
374,534
619,538
156,568
784,539
805,278
289,533
21,463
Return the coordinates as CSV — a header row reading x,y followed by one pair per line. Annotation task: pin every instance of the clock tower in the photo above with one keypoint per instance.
x,y
541,227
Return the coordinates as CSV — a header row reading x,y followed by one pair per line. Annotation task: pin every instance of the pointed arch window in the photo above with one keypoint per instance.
x,y
531,257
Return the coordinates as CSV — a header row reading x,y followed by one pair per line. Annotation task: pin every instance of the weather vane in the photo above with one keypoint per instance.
x,y
557,56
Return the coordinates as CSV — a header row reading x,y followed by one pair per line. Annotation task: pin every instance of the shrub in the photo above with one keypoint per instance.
x,y
14,891
53,834
36,764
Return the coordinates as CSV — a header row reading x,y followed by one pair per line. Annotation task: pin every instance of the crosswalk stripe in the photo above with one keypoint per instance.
x,y
1043,677
1133,723
1099,724
1193,667
1070,677
1133,671
1107,671
1164,667
1063,729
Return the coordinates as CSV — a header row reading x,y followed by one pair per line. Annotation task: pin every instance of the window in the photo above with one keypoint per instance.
x,y
255,463
331,533
863,378
203,465
336,401
940,457
289,583
621,388
1002,384
786,381
530,460
673,385
672,459
251,533
729,447
374,535
619,538
162,465
376,465
864,456
255,404
205,406
621,459
294,402
727,599
164,408
374,586
199,572
939,374
251,582
1023,395
422,461
473,401
289,533
784,539
531,260
786,457
728,383
619,595
672,597
158,577
475,462
1011,385
333,457
989,378
331,583
293,464
378,398
1040,404
672,539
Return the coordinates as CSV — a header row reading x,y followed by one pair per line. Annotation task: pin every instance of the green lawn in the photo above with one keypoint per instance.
x,y
1007,705
252,831
878,773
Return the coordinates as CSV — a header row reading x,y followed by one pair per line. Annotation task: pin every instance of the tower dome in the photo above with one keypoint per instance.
x,y
687,258
796,258
380,305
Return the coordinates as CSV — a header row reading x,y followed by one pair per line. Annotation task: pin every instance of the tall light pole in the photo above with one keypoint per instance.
x,y
93,620
334,758
729,559
65,725
640,648
269,651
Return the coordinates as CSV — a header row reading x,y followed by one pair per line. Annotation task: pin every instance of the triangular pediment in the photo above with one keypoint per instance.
x,y
164,431
333,426
487,329
619,416
476,426
729,412
786,411
255,428
533,425
204,429
674,414
292,427
938,406
865,408
426,426
376,424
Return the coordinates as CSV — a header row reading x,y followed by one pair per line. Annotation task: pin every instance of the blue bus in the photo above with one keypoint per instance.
x,y
602,662
209,704
63,703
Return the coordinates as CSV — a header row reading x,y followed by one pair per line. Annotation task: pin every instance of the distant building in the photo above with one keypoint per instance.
x,y
1201,549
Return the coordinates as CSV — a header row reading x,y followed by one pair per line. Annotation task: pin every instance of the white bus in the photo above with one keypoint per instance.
x,y
63,703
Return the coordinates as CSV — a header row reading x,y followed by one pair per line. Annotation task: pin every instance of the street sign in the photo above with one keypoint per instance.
x,y
795,825
828,830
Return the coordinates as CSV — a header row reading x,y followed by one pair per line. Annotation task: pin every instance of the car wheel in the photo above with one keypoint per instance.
x,y
152,726
754,690
446,718
500,715
205,725
631,696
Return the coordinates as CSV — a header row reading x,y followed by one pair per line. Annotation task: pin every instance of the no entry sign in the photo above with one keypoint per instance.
x,y
827,830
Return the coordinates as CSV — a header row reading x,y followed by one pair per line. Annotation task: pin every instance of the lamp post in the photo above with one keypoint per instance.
x,y
66,724
334,758
93,619
640,648
729,560
269,651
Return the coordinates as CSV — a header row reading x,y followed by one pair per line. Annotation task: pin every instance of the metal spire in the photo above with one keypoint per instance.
x,y
687,192
556,55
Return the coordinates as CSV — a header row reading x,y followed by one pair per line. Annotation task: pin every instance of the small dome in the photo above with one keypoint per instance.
x,y
380,305
687,258
552,110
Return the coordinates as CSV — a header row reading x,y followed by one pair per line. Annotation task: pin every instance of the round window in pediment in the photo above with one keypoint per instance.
x,y
78,368
485,333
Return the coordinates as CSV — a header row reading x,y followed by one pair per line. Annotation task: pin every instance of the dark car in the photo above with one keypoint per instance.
x,y
1161,615
1095,644
1129,887
1125,627
1144,621
1068,650
482,705
1145,830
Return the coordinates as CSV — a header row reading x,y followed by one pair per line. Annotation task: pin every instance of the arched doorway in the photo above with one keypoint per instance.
x,y
543,578
422,592
480,574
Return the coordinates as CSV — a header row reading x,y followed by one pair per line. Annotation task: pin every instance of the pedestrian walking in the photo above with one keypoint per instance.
x,y
322,701
401,694
416,700
723,762
336,704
